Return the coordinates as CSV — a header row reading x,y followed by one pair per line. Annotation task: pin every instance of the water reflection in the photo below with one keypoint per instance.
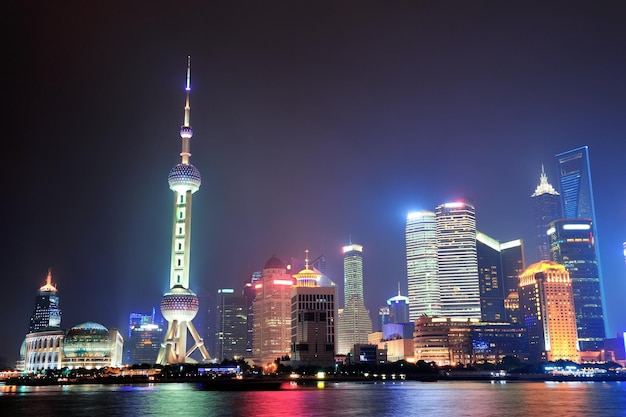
x,y
393,398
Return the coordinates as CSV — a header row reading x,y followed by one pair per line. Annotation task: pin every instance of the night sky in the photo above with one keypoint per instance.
x,y
314,123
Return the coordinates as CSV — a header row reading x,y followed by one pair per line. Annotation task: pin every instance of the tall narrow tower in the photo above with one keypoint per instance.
x,y
180,305
546,208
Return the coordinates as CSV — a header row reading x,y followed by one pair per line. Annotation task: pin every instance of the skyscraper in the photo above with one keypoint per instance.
x,y
272,313
312,319
546,208
499,265
455,227
398,308
180,304
546,302
231,326
144,339
47,314
573,245
421,264
354,323
575,178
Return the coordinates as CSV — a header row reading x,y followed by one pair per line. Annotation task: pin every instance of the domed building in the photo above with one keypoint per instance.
x,y
91,345
86,345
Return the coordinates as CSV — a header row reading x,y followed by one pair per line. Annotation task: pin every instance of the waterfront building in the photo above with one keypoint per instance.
x,y
573,245
547,307
249,293
421,263
180,304
144,339
457,263
450,341
313,314
88,345
232,325
46,314
546,208
272,313
499,265
354,323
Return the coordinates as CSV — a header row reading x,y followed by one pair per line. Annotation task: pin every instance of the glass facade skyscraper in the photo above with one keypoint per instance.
x,y
354,324
47,314
421,265
455,229
546,208
573,245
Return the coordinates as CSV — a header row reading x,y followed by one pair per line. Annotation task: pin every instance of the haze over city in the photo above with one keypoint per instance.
x,y
314,125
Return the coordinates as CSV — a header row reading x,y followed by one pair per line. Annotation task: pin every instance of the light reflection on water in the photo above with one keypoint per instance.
x,y
408,398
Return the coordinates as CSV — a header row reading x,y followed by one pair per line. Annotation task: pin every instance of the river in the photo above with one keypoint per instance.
x,y
393,398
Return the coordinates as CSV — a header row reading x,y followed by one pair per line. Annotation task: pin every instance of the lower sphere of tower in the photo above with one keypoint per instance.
x,y
179,304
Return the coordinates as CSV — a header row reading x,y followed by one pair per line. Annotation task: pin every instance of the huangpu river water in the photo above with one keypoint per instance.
x,y
401,398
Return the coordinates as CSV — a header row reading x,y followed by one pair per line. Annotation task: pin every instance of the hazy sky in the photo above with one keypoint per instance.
x,y
315,123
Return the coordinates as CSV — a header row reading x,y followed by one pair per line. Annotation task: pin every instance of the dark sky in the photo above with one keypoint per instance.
x,y
314,122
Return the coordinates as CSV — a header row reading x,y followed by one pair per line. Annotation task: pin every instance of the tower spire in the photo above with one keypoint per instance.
x,y
185,130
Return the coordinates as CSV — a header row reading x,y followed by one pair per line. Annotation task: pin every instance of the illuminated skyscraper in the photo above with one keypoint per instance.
x,y
231,326
271,332
546,208
573,245
47,314
354,324
575,178
180,304
421,264
547,306
144,339
455,228
499,265
312,319
398,308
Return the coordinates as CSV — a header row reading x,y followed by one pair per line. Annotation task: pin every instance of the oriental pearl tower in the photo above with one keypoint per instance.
x,y
180,305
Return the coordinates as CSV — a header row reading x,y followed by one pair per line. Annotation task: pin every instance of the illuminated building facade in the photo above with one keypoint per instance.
x,y
354,324
457,263
313,313
398,308
249,294
88,345
180,304
573,245
421,263
232,325
450,341
46,314
546,208
271,329
499,265
547,306
144,339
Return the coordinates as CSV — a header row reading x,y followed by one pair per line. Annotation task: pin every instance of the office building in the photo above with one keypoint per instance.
x,y
144,339
272,313
354,324
573,245
313,312
546,208
547,307
421,263
398,308
457,263
499,265
46,314
232,325
180,304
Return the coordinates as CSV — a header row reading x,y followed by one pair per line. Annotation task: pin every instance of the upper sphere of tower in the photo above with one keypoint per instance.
x,y
184,177
274,263
186,132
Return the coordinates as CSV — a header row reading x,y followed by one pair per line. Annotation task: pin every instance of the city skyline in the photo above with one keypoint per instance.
x,y
316,123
